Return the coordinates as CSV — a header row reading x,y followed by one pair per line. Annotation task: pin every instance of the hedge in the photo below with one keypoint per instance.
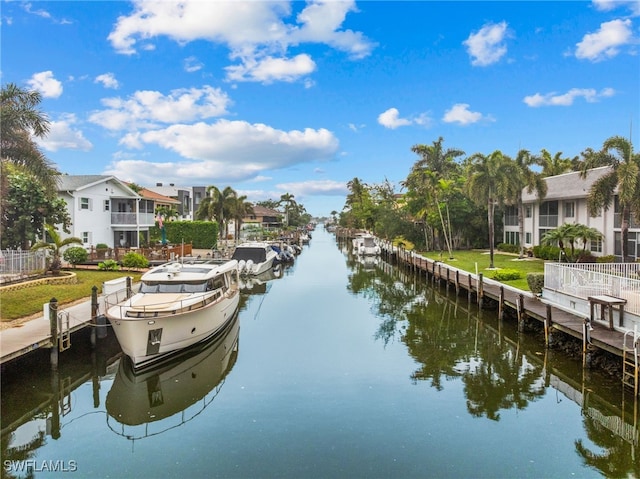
x,y
201,234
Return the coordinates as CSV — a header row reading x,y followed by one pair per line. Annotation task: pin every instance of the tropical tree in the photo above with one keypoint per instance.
x,y
289,203
524,177
26,207
554,165
433,176
239,209
622,179
217,205
359,205
55,245
488,182
571,233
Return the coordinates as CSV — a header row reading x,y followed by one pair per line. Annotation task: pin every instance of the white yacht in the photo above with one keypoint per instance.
x,y
178,305
254,258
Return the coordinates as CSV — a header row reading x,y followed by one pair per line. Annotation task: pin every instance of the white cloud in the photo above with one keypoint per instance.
x,y
269,69
487,45
46,84
191,64
224,151
568,98
63,136
391,119
606,42
147,109
315,188
256,33
460,113
608,5
108,80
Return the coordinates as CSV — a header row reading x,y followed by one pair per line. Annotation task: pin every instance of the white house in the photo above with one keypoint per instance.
x,y
104,209
566,202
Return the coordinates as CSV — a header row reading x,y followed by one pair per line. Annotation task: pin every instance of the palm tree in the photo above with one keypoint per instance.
x,y
55,246
240,208
217,205
488,184
435,171
524,177
554,165
289,203
622,179
571,233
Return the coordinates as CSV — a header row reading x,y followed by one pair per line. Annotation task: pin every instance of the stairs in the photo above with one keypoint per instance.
x,y
631,359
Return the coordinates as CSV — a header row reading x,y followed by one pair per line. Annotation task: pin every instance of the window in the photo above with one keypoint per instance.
x,y
595,246
527,238
511,237
86,237
511,216
85,204
549,214
633,245
569,209
527,211
107,205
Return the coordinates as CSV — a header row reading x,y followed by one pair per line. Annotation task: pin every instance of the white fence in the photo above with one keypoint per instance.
x,y
17,263
621,280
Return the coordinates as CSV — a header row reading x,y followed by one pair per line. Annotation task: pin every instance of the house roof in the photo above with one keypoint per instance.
x,y
264,211
157,197
568,185
81,182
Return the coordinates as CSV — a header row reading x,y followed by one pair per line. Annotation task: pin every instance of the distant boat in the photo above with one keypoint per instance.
x,y
177,306
366,245
174,392
254,258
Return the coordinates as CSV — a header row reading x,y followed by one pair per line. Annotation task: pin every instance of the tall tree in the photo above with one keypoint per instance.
x,y
239,209
289,203
217,204
524,177
554,165
488,183
434,173
623,179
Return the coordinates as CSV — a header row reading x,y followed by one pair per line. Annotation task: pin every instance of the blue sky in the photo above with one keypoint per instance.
x,y
301,97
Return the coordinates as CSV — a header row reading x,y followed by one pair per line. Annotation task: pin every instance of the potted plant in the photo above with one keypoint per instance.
x,y
101,249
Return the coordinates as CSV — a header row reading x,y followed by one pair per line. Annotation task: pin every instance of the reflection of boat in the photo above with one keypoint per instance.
x,y
366,245
254,258
369,261
173,392
178,305
258,284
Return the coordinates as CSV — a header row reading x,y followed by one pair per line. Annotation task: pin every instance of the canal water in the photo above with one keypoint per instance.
x,y
334,368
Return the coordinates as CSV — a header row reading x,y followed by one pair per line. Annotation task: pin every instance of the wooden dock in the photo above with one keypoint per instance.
x,y
594,335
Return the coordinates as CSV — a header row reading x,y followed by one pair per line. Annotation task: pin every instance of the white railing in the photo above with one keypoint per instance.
x,y
18,263
621,280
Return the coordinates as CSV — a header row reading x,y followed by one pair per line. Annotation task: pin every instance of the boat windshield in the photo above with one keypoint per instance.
x,y
257,255
173,287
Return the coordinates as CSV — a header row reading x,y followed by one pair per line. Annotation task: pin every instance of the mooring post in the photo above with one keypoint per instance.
x,y
128,286
470,290
457,282
480,290
53,325
520,307
547,325
448,271
94,314
501,304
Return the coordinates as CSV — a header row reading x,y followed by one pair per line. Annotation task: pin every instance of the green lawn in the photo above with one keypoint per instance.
x,y
27,301
467,261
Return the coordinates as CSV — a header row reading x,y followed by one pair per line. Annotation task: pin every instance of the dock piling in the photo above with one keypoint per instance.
x,y
53,324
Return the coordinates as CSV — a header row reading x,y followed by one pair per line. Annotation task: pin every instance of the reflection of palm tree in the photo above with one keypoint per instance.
x,y
617,460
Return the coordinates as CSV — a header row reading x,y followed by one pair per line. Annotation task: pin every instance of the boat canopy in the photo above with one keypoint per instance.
x,y
255,254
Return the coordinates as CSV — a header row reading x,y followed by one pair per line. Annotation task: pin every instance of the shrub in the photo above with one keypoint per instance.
x,y
551,253
102,246
606,259
586,257
75,255
507,275
109,265
535,282
508,248
134,260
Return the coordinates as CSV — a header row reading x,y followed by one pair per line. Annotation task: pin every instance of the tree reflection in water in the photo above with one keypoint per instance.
x,y
450,341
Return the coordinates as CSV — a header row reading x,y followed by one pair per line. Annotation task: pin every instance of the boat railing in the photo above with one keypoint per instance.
x,y
161,308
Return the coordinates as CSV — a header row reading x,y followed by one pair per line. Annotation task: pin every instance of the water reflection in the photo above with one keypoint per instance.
x,y
500,369
173,393
259,284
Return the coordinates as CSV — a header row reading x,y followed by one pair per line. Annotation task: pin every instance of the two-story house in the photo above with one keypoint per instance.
x,y
566,202
104,209
183,195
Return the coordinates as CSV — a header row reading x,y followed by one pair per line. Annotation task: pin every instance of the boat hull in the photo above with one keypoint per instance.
x,y
150,339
